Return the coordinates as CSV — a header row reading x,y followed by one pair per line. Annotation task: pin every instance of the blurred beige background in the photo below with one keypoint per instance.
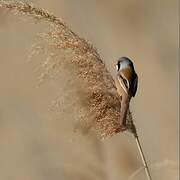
x,y
38,145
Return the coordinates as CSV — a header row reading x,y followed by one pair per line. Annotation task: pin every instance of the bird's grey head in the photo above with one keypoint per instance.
x,y
124,62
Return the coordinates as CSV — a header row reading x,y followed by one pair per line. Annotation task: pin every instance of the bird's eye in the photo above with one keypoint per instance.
x,y
118,65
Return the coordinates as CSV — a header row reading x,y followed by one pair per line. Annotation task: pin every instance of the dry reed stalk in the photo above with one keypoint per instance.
x,y
101,96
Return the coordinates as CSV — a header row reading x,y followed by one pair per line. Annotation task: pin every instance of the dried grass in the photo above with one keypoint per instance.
x,y
100,95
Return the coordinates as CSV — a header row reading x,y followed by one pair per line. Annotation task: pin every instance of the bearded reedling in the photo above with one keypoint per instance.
x,y
126,83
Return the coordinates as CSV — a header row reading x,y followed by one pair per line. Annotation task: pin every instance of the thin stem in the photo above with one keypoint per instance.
x,y
134,132
143,158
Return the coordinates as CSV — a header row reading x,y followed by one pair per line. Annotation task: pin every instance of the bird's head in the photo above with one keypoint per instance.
x,y
124,63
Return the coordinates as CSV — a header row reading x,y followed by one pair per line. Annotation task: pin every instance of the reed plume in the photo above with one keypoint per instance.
x,y
101,96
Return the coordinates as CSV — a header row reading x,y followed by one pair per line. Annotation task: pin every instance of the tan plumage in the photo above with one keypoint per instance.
x,y
126,84
124,99
127,73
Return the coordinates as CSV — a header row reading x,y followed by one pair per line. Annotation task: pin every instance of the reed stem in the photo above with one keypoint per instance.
x,y
143,158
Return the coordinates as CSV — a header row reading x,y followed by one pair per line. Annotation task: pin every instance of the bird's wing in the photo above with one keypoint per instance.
x,y
134,89
122,84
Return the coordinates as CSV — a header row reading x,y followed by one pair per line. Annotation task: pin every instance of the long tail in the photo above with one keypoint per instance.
x,y
124,109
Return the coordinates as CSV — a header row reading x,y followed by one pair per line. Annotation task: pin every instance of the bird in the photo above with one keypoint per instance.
x,y
126,82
